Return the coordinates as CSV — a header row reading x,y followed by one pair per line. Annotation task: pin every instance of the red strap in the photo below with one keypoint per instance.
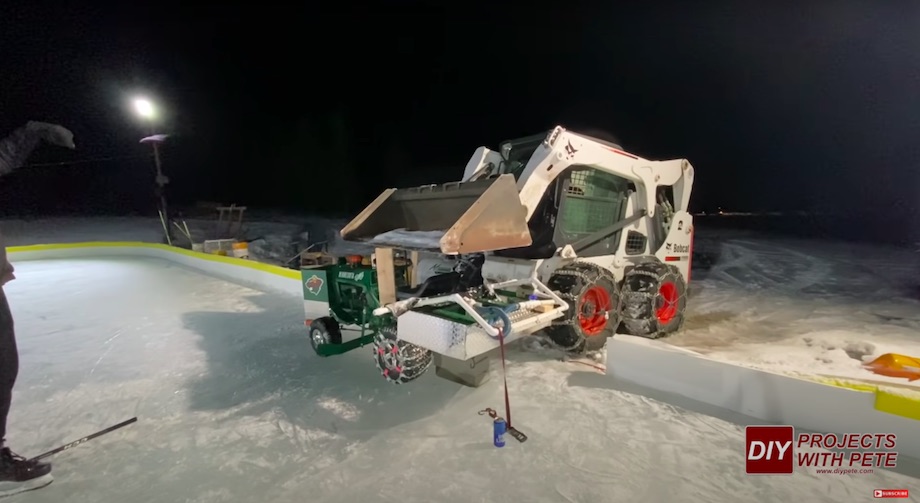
x,y
501,344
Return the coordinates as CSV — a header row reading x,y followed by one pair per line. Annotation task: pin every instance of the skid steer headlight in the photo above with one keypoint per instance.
x,y
552,136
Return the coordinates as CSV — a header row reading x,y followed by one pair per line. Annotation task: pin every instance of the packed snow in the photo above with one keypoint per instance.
x,y
423,240
805,308
233,405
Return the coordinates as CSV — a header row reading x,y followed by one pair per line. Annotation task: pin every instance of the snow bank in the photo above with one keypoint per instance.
x,y
802,308
274,248
771,397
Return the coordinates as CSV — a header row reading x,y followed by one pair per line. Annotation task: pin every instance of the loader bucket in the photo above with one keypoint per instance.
x,y
456,217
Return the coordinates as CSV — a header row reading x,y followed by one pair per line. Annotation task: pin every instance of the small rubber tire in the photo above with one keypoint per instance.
x,y
594,306
654,300
324,330
399,361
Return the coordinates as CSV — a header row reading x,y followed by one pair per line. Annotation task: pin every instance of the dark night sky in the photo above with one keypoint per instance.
x,y
320,107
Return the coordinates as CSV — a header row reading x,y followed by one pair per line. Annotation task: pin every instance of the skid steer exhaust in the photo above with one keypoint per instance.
x,y
452,218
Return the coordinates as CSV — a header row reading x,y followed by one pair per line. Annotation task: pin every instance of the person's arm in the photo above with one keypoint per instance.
x,y
18,146
14,150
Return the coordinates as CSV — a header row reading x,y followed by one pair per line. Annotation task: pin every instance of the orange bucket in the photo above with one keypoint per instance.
x,y
895,365
240,249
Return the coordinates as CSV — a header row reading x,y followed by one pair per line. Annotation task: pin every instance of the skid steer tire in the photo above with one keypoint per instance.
x,y
399,361
654,300
324,331
594,306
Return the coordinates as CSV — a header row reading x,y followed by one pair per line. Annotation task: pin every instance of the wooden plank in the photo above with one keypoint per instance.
x,y
386,275
413,272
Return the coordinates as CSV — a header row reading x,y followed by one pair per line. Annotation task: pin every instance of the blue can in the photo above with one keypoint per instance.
x,y
498,432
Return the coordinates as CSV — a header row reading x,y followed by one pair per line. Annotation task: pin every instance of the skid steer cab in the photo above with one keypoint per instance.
x,y
559,233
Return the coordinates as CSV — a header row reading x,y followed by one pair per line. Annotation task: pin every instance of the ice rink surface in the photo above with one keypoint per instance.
x,y
233,405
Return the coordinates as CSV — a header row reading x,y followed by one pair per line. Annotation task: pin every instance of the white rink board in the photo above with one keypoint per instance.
x,y
770,397
260,275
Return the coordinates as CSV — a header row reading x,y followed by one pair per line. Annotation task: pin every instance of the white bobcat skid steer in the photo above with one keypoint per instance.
x,y
560,232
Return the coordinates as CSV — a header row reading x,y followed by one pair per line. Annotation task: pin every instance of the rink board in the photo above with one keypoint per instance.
x,y
824,405
249,272
820,405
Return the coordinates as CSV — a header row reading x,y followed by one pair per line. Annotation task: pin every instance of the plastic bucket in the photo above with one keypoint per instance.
x,y
241,250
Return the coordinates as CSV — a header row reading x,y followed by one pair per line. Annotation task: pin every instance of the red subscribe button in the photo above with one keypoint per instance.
x,y
891,493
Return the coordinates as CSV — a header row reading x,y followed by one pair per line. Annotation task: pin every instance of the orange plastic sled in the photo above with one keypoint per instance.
x,y
895,365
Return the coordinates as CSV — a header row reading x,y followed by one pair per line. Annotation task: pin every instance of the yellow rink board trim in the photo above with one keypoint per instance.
x,y
252,264
885,401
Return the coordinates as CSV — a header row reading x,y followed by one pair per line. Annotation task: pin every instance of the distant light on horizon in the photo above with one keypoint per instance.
x,y
144,108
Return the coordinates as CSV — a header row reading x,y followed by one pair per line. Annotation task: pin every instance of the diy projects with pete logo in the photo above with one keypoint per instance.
x,y
777,450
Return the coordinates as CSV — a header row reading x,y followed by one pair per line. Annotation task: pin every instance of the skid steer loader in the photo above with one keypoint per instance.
x,y
559,232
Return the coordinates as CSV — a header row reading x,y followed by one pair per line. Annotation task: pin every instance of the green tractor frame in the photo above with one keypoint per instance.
x,y
345,292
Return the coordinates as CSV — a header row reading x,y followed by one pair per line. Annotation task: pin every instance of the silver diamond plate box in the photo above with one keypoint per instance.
x,y
461,341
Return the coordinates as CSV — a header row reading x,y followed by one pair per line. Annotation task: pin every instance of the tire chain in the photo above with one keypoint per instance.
x,y
631,299
410,354
573,299
628,296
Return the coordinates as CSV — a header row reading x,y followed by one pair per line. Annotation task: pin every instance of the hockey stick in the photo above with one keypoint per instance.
x,y
75,443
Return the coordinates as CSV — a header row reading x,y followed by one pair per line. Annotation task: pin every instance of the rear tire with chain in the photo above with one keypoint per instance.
x,y
654,300
399,361
594,301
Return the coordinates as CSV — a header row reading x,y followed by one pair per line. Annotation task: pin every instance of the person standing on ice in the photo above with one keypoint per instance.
x,y
18,474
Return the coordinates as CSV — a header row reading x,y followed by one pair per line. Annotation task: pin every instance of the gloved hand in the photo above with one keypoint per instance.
x,y
16,148
52,133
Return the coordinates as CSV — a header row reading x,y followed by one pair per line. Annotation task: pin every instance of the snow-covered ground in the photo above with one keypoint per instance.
x,y
234,406
804,307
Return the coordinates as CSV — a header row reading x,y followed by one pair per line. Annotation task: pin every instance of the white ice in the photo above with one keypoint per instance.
x,y
234,406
